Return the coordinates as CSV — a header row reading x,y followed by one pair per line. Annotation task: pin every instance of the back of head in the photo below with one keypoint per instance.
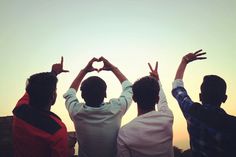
x,y
93,91
146,92
213,90
41,88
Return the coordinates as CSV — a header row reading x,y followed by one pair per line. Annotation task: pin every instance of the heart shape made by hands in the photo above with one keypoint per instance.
x,y
98,65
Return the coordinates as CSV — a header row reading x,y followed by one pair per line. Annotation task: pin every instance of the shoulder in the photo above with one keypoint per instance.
x,y
44,121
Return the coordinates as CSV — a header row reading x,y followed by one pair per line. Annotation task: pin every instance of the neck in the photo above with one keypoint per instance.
x,y
143,111
47,108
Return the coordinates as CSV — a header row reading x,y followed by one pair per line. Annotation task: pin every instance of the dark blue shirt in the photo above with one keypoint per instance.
x,y
212,131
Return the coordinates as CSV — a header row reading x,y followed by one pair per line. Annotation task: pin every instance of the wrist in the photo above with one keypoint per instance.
x,y
113,68
185,60
83,71
54,72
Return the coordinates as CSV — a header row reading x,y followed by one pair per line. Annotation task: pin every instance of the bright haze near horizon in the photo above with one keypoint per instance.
x,y
129,33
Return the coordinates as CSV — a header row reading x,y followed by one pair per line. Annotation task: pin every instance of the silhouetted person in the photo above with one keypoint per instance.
x,y
37,132
150,133
97,122
212,131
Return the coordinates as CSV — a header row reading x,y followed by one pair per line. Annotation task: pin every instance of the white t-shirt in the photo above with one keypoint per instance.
x,y
97,128
148,135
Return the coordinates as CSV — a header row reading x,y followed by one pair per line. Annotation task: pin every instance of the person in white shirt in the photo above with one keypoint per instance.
x,y
97,123
150,133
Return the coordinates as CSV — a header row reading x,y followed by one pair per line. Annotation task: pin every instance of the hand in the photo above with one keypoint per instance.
x,y
194,56
58,68
89,67
107,65
154,72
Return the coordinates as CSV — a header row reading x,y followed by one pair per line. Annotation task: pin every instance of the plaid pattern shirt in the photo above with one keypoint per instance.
x,y
212,131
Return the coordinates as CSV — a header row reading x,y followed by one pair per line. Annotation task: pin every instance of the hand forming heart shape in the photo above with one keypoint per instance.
x,y
107,66
98,64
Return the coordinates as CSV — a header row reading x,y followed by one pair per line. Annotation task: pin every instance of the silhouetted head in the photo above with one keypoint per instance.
x,y
146,92
93,91
41,88
213,90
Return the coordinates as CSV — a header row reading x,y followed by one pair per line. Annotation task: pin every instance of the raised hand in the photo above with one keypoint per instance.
x,y
58,68
154,72
194,56
198,55
89,67
107,65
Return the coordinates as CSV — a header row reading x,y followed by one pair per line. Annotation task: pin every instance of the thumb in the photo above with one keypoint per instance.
x,y
65,71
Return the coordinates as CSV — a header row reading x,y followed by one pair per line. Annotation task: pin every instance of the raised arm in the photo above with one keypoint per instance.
x,y
109,67
88,68
162,97
198,55
179,91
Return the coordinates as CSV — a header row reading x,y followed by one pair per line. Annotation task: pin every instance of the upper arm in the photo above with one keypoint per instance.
x,y
125,98
162,103
72,103
183,99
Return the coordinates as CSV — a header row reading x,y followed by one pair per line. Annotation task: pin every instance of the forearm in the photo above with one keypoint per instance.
x,y
181,69
77,81
121,77
162,103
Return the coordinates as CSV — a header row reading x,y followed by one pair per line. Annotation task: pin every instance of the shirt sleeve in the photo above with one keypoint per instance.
x,y
72,104
125,98
162,103
181,95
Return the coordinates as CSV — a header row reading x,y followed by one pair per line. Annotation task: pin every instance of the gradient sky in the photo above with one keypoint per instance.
x,y
129,33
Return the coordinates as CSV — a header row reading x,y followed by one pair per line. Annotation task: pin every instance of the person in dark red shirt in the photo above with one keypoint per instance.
x,y
37,132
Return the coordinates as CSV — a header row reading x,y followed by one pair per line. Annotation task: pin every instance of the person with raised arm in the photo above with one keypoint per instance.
x,y
97,122
38,132
211,129
150,133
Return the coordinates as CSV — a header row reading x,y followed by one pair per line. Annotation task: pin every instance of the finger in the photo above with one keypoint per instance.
x,y
156,66
95,59
101,69
91,61
200,54
101,58
62,60
150,67
92,69
65,71
196,52
200,58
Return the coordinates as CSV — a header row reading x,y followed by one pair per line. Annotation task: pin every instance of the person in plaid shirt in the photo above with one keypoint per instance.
x,y
212,131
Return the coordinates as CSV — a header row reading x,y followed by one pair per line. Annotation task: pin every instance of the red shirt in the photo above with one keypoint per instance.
x,y
38,133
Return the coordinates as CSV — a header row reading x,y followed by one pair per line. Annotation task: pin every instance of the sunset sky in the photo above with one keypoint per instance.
x,y
129,33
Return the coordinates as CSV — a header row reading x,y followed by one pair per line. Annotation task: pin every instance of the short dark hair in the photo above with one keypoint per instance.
x,y
93,90
213,90
41,88
145,92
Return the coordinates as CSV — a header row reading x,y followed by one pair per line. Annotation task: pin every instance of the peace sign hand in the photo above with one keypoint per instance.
x,y
58,68
154,72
